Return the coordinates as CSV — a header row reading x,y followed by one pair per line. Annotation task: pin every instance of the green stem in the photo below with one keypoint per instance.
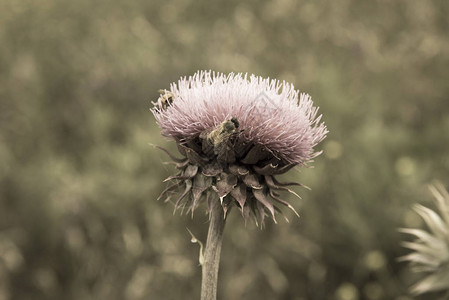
x,y
212,252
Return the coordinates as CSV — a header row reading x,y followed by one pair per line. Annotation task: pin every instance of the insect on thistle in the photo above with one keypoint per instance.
x,y
218,141
165,99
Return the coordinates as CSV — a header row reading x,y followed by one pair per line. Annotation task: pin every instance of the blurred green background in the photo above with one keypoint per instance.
x,y
78,181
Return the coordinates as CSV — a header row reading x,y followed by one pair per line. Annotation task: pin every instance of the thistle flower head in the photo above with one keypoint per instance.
x,y
236,132
431,248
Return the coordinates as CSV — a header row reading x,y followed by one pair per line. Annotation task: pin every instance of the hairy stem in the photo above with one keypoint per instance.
x,y
212,252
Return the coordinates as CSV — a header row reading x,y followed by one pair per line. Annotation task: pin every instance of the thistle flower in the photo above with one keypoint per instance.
x,y
431,248
235,133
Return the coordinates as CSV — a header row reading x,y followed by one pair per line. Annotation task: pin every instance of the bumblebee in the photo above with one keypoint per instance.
x,y
216,142
165,99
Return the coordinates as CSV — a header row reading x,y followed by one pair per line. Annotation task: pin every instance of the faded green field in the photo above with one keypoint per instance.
x,y
78,180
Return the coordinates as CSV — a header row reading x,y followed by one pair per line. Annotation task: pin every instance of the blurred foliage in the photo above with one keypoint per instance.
x,y
78,181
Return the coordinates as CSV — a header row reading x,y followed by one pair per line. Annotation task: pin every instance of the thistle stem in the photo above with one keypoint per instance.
x,y
212,252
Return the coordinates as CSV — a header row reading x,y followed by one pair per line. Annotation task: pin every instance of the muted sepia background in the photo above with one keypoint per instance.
x,y
78,180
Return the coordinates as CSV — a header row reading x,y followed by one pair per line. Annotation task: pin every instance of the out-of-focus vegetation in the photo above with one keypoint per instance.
x,y
431,248
78,181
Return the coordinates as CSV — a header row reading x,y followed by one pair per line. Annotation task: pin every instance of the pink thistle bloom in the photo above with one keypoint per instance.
x,y
236,132
270,113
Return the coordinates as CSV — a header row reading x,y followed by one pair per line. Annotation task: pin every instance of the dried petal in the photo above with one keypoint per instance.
x,y
189,172
276,198
187,189
239,194
256,154
171,187
212,169
261,213
238,170
262,198
200,184
251,181
225,184
174,158
272,185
